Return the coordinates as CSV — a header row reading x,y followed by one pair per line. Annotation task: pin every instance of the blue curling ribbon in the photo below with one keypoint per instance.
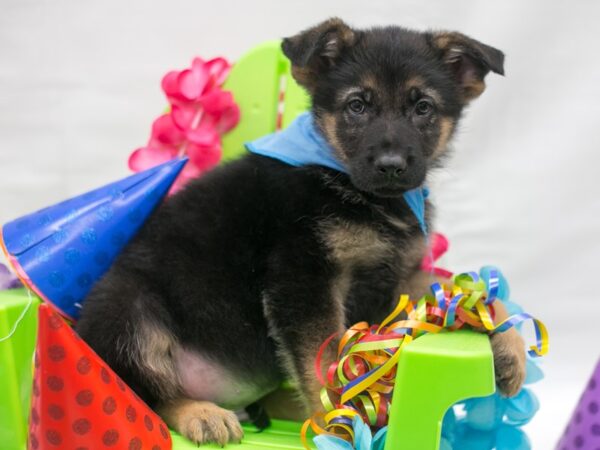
x,y
502,290
342,420
451,313
438,293
493,283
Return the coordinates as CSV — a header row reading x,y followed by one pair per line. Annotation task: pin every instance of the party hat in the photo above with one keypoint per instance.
x,y
79,402
583,431
62,250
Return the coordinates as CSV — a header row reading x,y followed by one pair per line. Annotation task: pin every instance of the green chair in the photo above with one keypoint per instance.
x,y
434,372
16,366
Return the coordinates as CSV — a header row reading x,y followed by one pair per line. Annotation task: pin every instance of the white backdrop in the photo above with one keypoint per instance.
x,y
79,88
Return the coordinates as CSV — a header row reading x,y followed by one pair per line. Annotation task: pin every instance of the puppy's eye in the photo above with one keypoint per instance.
x,y
423,107
356,106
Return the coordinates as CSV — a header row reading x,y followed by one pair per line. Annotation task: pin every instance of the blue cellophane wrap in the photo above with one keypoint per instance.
x,y
494,422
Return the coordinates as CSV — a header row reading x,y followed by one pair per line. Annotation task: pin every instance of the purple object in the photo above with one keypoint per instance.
x,y
62,250
583,431
7,279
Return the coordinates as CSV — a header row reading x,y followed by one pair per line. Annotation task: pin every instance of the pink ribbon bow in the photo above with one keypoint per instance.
x,y
200,113
438,245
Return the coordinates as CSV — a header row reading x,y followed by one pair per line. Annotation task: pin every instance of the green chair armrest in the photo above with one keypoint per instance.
x,y
435,372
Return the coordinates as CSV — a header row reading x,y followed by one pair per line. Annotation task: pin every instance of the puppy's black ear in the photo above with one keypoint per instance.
x,y
317,49
470,61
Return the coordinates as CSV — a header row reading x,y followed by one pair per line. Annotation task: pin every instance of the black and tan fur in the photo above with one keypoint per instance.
x,y
246,271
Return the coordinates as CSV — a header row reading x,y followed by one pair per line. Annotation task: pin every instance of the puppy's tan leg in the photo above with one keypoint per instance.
x,y
202,422
508,347
509,356
303,305
298,355
308,379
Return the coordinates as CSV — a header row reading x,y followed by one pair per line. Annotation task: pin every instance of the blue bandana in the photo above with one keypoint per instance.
x,y
301,144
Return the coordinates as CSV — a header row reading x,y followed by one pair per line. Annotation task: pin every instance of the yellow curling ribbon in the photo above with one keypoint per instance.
x,y
361,381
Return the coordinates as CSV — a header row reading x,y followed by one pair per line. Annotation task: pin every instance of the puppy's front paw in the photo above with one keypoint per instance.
x,y
509,361
202,422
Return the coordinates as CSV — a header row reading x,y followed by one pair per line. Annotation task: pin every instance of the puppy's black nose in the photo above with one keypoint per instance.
x,y
391,165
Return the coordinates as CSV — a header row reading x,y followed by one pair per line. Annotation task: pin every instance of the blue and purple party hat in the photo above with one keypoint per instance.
x,y
62,250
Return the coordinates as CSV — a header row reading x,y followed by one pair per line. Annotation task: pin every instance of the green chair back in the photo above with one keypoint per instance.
x,y
264,89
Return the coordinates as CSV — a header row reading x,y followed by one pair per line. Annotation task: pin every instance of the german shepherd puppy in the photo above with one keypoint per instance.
x,y
234,283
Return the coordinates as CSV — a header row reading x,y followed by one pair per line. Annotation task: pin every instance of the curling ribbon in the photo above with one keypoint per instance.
x,y
361,381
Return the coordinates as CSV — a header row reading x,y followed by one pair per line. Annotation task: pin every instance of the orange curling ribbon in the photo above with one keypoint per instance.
x,y
361,380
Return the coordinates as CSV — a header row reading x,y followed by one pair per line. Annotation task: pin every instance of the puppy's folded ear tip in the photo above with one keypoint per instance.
x,y
498,68
293,50
285,46
317,49
451,41
495,59
470,60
